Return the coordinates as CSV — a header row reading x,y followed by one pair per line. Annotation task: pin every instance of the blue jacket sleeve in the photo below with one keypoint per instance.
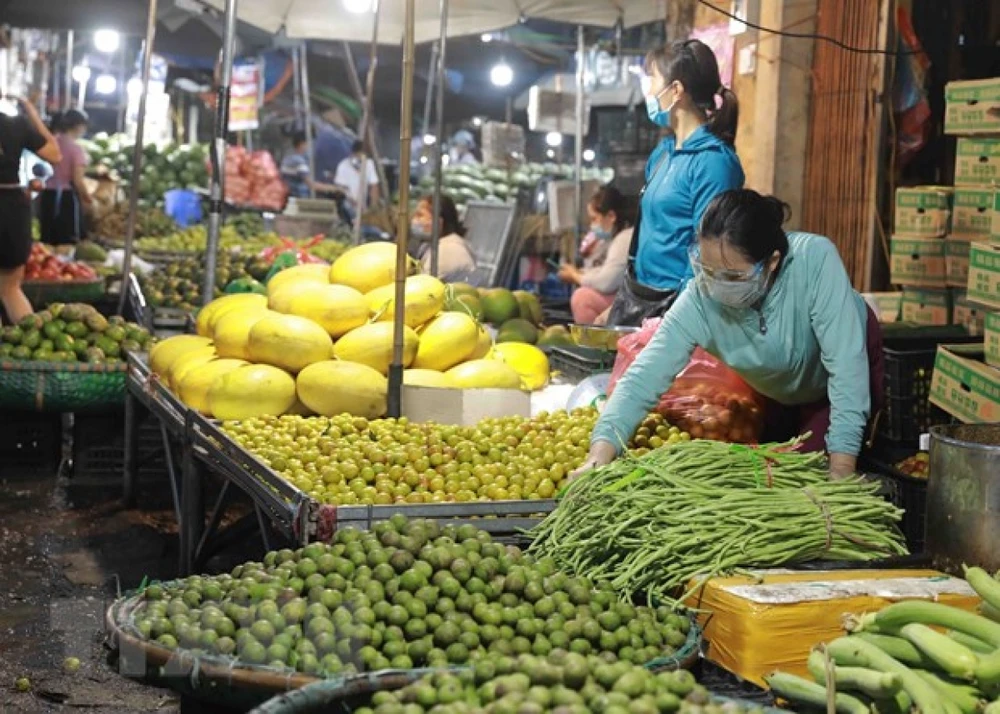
x,y
836,321
652,372
712,173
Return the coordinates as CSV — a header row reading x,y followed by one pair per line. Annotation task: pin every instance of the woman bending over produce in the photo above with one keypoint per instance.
x,y
779,310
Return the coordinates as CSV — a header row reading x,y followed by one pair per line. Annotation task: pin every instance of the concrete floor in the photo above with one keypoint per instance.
x,y
67,548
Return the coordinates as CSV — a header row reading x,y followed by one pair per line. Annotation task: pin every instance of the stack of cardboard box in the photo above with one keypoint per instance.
x,y
966,380
917,253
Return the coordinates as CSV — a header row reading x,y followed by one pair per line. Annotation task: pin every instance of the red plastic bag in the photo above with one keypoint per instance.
x,y
707,399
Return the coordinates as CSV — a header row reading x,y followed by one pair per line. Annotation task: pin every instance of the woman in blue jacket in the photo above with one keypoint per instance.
x,y
683,174
780,311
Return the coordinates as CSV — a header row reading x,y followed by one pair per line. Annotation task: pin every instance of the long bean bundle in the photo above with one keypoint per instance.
x,y
703,508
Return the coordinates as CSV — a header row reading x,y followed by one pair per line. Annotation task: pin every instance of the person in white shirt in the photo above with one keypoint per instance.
x,y
455,260
610,222
348,178
462,144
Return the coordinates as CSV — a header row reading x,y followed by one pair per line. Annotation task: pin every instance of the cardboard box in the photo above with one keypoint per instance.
x,y
886,306
972,211
972,106
462,407
956,259
922,211
991,344
984,274
758,622
977,161
967,314
964,386
926,307
917,261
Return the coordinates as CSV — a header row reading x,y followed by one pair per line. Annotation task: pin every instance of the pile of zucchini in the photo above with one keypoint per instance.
x,y
910,656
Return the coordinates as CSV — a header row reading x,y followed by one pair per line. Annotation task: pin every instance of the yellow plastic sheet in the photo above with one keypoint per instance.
x,y
755,625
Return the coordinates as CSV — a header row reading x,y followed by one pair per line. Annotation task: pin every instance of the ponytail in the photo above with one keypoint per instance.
x,y
723,120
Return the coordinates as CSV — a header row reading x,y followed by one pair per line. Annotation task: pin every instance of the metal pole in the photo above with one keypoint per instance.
x,y
296,86
403,219
438,168
359,94
307,105
578,148
425,127
217,187
133,194
68,103
365,129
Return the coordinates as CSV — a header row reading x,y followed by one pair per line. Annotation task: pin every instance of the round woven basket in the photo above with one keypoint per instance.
x,y
62,386
224,681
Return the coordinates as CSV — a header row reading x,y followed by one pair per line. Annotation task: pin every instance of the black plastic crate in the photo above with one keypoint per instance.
x,y
99,447
904,419
902,490
29,439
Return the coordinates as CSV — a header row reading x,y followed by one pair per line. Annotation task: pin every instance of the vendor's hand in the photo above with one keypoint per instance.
x,y
601,454
569,273
602,319
842,465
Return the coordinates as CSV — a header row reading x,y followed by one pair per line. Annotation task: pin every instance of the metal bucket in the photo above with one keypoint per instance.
x,y
963,497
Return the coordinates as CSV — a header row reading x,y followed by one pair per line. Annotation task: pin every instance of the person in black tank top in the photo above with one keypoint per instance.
x,y
19,132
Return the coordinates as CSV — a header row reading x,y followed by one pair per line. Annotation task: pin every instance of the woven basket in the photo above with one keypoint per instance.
x,y
62,386
223,681
43,292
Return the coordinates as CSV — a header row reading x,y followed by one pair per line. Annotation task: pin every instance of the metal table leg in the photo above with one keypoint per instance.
x,y
130,472
192,512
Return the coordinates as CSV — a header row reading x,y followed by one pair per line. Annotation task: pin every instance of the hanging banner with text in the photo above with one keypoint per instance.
x,y
244,97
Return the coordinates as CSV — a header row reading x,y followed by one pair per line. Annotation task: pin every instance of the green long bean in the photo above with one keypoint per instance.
x,y
651,524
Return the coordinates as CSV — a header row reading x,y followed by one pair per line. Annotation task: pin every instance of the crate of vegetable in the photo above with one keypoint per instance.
x,y
67,358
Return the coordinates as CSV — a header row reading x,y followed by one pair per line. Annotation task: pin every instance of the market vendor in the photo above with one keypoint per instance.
x,y
348,178
66,196
780,311
456,264
690,166
461,151
297,174
604,269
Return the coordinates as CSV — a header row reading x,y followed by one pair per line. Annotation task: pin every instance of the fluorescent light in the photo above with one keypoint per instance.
x,y
423,159
445,159
550,153
589,155
477,121
501,75
429,139
107,41
553,139
486,37
105,84
81,74
358,7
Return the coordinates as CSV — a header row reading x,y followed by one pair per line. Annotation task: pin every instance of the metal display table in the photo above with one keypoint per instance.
x,y
197,447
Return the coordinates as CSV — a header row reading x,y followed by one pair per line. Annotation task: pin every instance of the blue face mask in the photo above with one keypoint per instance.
x,y
600,233
657,115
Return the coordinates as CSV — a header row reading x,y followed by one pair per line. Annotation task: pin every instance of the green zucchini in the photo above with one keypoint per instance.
x,y
851,651
890,619
898,648
797,690
877,685
973,643
964,696
985,585
952,657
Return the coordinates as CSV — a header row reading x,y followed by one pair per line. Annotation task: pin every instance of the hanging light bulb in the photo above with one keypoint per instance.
x,y
105,84
502,74
107,41
553,139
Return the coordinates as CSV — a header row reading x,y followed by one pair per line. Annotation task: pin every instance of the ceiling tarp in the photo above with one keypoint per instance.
x,y
329,19
128,16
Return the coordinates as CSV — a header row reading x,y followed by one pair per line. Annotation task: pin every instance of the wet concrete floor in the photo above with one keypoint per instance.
x,y
67,548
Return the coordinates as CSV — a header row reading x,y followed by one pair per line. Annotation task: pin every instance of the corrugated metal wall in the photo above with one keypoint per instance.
x,y
844,158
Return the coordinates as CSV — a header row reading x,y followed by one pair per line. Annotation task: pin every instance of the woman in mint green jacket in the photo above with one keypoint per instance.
x,y
778,309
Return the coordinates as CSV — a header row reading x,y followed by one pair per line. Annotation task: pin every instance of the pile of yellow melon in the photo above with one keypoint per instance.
x,y
321,342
